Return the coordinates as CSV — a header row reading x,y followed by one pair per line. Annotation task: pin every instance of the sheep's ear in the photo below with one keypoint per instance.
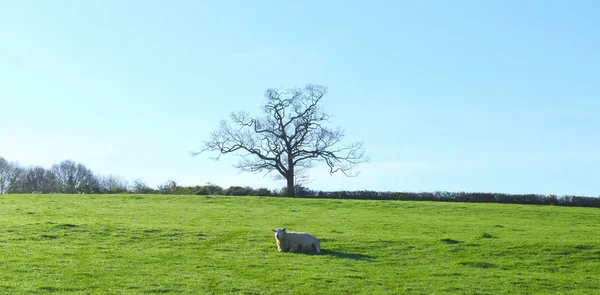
x,y
273,230
283,229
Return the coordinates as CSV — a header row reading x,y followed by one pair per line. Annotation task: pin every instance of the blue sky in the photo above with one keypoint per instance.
x,y
492,96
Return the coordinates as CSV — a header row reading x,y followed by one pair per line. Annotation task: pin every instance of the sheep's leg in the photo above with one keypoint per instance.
x,y
316,247
282,247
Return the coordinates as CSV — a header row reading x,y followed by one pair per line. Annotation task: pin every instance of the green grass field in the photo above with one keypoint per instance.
x,y
145,244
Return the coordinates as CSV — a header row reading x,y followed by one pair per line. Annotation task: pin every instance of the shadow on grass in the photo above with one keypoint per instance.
x,y
478,264
450,241
342,255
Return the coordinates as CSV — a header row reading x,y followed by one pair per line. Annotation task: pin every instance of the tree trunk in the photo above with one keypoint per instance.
x,y
291,190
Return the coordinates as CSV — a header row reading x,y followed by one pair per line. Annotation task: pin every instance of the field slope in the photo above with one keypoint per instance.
x,y
149,244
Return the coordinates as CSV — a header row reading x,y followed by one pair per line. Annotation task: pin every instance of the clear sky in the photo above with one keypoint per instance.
x,y
475,96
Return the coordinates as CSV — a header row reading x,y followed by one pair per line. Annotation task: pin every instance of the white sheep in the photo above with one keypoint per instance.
x,y
296,242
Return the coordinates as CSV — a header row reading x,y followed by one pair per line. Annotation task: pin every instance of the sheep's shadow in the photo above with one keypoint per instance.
x,y
341,255
345,255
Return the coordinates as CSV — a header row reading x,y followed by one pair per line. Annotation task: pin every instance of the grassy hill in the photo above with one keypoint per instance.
x,y
145,244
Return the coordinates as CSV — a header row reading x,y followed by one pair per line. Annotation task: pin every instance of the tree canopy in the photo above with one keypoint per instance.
x,y
289,138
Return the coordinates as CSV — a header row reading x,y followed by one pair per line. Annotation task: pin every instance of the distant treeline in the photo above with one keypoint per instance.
x,y
303,192
69,177
534,199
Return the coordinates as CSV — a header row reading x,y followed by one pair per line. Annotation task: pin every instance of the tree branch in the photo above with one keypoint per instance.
x,y
291,134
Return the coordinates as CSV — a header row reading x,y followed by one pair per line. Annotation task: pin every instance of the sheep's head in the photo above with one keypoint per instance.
x,y
279,233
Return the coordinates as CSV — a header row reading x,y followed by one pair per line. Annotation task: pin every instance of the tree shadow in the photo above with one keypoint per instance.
x,y
341,255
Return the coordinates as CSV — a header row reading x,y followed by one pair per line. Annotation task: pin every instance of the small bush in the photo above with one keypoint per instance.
x,y
239,191
263,192
209,189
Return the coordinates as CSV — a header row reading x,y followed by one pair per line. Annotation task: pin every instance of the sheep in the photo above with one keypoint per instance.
x,y
295,241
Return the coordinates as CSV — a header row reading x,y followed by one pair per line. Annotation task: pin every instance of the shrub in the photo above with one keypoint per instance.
x,y
263,192
210,189
239,191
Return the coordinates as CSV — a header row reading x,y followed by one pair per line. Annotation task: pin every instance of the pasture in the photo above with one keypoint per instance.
x,y
154,244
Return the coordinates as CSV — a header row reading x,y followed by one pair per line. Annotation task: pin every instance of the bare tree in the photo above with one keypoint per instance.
x,y
6,169
37,178
289,138
139,186
75,178
113,184
14,179
168,187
